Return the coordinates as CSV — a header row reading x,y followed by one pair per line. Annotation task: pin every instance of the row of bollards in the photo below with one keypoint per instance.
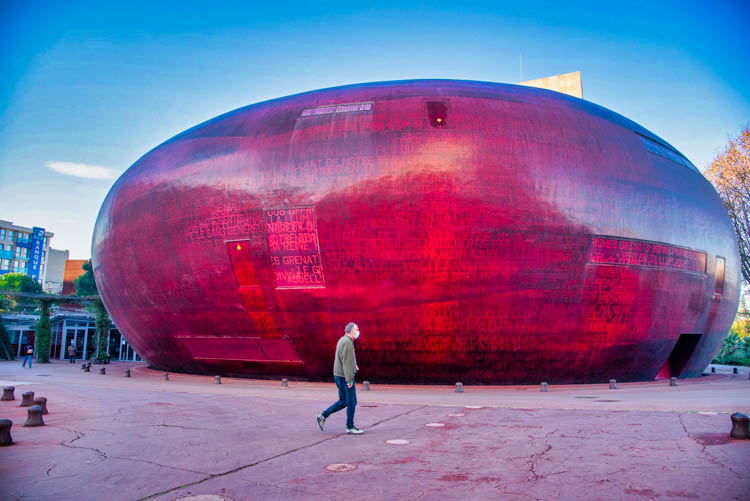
x,y
37,408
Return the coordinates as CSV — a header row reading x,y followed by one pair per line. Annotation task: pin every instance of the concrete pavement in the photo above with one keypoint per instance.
x,y
110,437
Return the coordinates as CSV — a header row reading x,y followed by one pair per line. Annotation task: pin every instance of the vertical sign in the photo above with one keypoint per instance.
x,y
37,246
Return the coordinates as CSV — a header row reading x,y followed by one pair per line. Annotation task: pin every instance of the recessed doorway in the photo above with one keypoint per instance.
x,y
681,353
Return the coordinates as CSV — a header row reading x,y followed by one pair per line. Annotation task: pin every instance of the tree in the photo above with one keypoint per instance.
x,y
43,333
86,286
730,174
20,282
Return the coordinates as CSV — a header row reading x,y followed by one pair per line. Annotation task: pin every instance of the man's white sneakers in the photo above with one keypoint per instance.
x,y
354,431
321,421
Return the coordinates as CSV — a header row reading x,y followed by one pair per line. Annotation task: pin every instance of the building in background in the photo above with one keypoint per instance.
x,y
24,250
53,280
567,83
78,326
73,270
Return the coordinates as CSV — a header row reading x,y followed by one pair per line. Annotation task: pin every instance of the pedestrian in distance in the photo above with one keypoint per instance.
x,y
27,357
344,367
72,352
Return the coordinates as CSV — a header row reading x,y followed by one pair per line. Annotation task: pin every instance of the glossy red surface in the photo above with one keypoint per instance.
x,y
476,232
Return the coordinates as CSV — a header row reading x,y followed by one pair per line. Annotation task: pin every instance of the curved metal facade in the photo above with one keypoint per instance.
x,y
476,232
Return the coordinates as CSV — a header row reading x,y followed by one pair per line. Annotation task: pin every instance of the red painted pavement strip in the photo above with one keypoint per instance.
x,y
133,438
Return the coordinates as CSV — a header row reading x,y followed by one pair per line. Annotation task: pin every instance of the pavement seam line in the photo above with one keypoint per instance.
x,y
106,456
239,468
712,458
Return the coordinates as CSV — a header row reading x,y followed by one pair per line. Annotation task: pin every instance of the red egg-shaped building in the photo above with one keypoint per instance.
x,y
476,232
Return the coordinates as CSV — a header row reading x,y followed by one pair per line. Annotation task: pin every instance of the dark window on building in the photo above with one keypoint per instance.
x,y
665,152
719,288
437,113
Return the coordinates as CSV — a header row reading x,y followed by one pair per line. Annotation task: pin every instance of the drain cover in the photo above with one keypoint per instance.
x,y
339,467
397,441
435,425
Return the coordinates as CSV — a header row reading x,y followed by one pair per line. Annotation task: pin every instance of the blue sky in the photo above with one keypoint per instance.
x,y
101,83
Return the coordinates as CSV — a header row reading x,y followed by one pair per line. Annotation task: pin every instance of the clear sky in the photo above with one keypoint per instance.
x,y
86,88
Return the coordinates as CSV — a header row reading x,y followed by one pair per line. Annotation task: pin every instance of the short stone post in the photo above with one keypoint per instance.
x,y
41,402
102,371
713,369
612,384
86,368
83,366
544,387
459,387
27,399
35,416
673,381
5,438
284,383
165,376
217,379
8,393
127,373
735,371
740,423
366,385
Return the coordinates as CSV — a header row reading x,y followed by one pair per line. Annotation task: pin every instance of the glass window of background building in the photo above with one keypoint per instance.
x,y
2,233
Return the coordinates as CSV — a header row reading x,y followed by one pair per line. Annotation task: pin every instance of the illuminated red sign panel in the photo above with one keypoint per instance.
x,y
610,250
293,248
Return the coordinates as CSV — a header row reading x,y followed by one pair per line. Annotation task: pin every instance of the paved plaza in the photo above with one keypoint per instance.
x,y
110,437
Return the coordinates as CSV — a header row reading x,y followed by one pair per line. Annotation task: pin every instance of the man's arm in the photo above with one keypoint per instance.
x,y
347,360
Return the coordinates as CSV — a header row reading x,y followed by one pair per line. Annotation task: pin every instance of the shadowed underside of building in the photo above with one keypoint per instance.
x,y
475,231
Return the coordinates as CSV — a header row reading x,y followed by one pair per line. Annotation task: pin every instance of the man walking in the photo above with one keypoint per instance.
x,y
72,352
344,367
29,354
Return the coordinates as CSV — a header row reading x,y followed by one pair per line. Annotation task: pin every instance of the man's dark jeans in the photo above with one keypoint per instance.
x,y
347,398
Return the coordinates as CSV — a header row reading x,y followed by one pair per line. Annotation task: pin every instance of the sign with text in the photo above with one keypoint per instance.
x,y
338,108
37,247
293,248
611,250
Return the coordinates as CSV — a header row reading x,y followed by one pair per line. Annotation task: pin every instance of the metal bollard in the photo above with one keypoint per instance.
x,y
8,393
735,371
5,438
284,383
612,384
459,387
86,368
35,416
127,373
217,379
41,402
740,423
673,381
713,369
27,399
165,376
366,385
544,387
83,366
102,371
